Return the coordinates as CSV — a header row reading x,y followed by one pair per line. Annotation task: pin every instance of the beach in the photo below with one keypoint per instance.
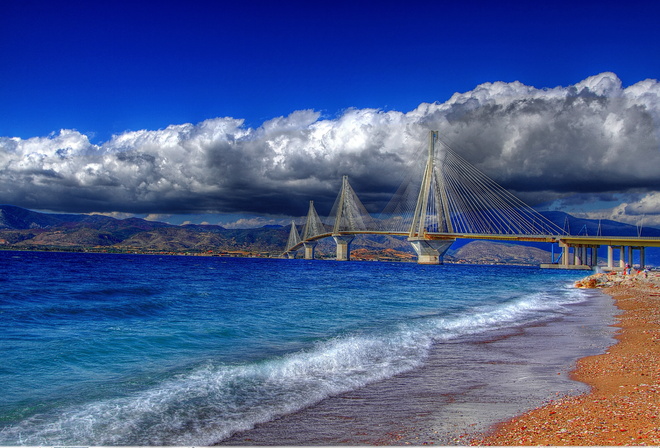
x,y
464,387
623,404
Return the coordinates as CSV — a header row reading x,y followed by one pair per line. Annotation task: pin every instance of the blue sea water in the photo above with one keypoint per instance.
x,y
101,349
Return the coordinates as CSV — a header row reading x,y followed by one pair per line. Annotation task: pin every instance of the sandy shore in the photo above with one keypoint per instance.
x,y
623,407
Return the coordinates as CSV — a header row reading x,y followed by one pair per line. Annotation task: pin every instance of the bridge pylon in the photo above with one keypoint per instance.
x,y
294,240
349,215
313,227
432,209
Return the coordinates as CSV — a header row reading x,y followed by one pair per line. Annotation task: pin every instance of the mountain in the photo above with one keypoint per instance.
x,y
26,229
591,227
16,218
491,252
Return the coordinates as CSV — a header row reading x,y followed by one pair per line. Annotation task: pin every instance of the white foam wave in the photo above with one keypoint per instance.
x,y
210,403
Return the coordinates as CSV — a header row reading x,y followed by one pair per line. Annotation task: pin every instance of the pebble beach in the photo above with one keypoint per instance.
x,y
623,405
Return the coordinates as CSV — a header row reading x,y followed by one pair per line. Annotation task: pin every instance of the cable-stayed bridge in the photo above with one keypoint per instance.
x,y
452,200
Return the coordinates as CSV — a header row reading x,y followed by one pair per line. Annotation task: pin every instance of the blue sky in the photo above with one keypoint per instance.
x,y
131,108
105,67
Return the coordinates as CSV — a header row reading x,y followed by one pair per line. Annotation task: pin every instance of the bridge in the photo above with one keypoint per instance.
x,y
453,200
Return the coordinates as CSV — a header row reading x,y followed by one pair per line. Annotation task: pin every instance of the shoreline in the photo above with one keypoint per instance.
x,y
484,379
623,404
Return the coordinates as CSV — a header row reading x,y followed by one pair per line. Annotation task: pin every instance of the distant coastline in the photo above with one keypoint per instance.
x,y
22,229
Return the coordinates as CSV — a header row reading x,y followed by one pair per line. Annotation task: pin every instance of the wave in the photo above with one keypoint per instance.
x,y
213,401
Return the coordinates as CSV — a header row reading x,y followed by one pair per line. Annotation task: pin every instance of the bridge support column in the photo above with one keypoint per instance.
x,y
430,251
610,257
630,256
577,255
622,256
642,256
291,255
594,256
565,254
343,246
309,249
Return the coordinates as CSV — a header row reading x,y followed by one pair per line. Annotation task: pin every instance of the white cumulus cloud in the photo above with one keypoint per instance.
x,y
590,139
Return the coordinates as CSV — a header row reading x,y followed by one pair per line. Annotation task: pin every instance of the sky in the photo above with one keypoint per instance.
x,y
239,113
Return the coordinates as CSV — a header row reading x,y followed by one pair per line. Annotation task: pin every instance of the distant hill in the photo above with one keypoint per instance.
x,y
592,227
17,218
491,252
26,229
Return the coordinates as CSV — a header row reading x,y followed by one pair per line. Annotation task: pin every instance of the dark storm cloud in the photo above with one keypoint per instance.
x,y
591,138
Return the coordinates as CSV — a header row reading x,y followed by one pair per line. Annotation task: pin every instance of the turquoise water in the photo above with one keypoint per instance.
x,y
149,350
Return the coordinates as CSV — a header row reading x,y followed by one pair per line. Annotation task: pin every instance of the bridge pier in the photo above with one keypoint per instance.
x,y
630,255
343,246
585,256
309,249
622,256
430,251
291,255
642,256
582,252
610,256
594,255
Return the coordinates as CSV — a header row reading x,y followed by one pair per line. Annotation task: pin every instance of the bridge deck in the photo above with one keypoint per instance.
x,y
570,240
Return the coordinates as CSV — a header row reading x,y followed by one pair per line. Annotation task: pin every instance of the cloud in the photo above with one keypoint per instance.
x,y
116,215
254,222
157,217
592,138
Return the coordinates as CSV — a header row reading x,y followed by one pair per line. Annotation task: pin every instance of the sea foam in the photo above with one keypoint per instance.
x,y
208,403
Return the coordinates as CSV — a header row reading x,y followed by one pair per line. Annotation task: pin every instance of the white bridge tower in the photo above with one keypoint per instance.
x,y
432,210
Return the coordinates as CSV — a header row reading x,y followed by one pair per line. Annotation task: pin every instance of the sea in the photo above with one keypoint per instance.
x,y
119,349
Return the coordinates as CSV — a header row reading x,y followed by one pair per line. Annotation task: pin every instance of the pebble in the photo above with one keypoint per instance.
x,y
624,402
